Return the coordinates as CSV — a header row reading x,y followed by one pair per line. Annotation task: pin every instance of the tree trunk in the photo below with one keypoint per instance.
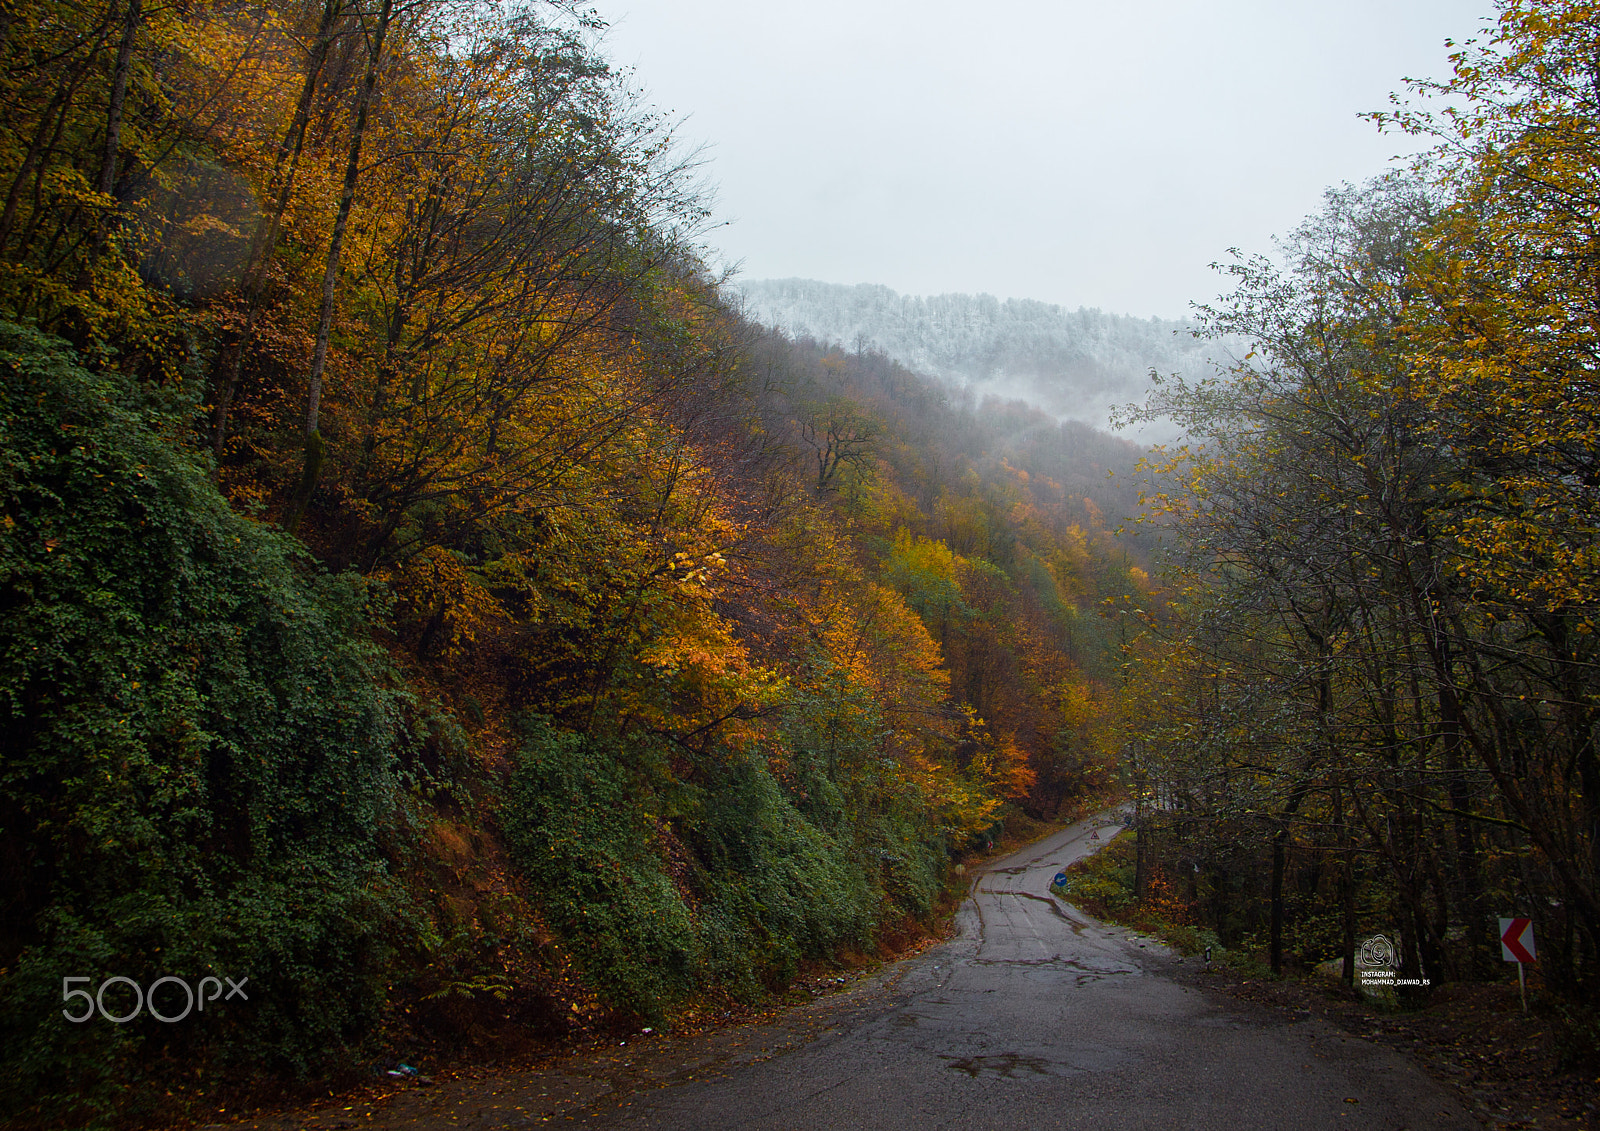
x,y
119,95
105,222
1280,841
330,275
1279,855
1347,894
265,239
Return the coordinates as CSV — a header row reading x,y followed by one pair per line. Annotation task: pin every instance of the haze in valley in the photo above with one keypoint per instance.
x,y
1094,155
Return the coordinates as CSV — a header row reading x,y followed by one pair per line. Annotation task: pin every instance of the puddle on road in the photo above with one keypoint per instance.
x,y
1009,1065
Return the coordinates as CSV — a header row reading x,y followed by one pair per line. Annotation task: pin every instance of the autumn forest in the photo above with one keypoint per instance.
x,y
425,591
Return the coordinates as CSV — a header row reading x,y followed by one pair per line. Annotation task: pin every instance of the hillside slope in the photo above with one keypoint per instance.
x,y
1077,364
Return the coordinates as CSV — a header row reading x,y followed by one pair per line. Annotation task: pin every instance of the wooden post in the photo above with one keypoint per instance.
x,y
1141,869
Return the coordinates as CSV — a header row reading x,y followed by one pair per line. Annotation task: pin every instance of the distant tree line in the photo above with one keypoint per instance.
x,y
1372,706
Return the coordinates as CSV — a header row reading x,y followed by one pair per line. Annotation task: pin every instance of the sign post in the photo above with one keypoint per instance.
x,y
1516,945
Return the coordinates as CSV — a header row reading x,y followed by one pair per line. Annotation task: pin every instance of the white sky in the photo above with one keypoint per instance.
x,y
1094,154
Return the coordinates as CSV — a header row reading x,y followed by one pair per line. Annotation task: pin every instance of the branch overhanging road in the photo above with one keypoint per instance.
x,y
1036,1015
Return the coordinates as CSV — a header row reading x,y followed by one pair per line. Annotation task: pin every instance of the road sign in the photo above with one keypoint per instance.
x,y
1516,940
1516,945
1061,878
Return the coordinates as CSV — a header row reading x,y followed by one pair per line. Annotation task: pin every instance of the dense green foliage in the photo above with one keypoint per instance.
x,y
762,887
700,650
578,829
197,747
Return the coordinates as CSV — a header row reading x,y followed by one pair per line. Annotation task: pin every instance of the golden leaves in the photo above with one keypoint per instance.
x,y
441,603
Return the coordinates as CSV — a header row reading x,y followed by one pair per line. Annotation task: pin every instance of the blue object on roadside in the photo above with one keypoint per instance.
x,y
1061,878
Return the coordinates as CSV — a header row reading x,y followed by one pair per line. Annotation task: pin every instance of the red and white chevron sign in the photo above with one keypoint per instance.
x,y
1516,940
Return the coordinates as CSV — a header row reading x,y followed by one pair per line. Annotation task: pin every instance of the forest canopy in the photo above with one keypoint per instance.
x,y
424,594
1375,705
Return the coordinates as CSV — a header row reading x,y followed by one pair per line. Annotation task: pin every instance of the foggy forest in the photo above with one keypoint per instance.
x,y
431,590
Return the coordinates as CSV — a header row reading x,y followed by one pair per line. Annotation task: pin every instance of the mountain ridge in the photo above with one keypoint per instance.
x,y
1077,364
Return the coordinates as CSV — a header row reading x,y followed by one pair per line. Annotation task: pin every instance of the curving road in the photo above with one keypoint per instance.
x,y
1037,1016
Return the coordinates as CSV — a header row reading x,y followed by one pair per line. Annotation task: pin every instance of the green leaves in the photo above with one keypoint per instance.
x,y
574,821
733,888
197,744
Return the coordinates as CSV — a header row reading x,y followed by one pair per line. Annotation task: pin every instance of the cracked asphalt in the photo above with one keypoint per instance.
x,y
1037,1016
1034,1015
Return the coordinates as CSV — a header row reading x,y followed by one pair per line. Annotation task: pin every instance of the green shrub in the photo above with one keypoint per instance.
x,y
794,887
910,858
197,745
764,888
573,818
1102,884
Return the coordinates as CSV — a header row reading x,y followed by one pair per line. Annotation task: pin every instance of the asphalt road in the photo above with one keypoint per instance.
x,y
1037,1016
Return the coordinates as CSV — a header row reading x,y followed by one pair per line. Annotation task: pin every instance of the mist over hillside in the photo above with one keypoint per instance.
x,y
1078,364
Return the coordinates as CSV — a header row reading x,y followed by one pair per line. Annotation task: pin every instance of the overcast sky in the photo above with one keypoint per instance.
x,y
1089,154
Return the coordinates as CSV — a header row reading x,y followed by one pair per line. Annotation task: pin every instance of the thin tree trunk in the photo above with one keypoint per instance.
x,y
105,222
347,197
1347,894
36,149
266,234
1278,865
1280,841
330,275
44,140
119,95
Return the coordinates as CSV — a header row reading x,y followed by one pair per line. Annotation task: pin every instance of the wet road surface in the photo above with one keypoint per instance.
x,y
1037,1016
